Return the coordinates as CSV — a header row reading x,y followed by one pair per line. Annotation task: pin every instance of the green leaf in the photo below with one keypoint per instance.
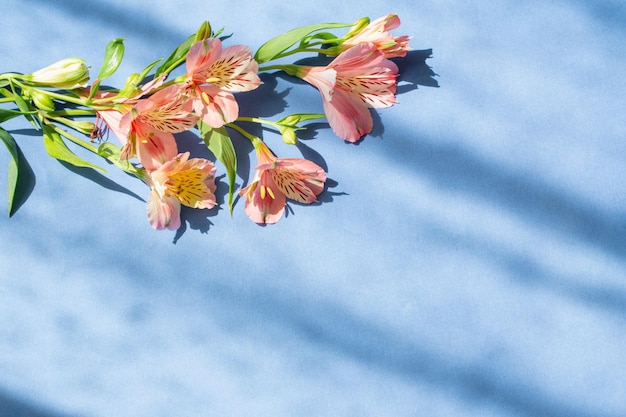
x,y
112,58
9,142
218,142
144,73
177,57
24,108
6,114
56,148
133,81
112,153
275,46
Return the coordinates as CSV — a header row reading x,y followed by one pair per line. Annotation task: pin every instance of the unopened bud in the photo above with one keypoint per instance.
x,y
204,32
66,74
291,120
131,88
41,100
84,127
358,26
289,136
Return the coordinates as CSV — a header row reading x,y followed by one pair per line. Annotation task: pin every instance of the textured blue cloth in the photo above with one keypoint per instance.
x,y
468,257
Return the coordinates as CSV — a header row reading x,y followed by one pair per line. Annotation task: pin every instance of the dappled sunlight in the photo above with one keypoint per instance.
x,y
468,257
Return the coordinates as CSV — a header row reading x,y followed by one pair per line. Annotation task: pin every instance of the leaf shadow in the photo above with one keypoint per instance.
x,y
93,175
264,101
25,182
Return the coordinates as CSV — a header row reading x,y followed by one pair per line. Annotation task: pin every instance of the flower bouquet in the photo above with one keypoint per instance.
x,y
153,106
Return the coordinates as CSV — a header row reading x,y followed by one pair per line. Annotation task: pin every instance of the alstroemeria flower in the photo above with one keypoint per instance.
x,y
146,130
378,33
190,182
119,105
277,179
213,74
357,79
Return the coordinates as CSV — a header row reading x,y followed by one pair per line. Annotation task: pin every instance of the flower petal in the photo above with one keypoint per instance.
x,y
265,203
216,107
202,54
113,120
348,116
299,179
154,147
163,213
235,70
322,78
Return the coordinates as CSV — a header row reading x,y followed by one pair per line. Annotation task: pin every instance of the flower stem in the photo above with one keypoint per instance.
x,y
290,69
257,120
72,138
252,138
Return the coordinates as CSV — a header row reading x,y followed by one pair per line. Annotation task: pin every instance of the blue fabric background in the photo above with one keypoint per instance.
x,y
468,258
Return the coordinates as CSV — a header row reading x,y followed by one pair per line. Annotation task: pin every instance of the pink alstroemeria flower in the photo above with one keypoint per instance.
x,y
146,130
277,179
190,182
213,74
357,79
378,33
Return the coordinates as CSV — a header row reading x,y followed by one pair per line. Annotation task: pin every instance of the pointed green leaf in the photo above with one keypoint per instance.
x,y
275,46
56,148
9,142
112,153
24,108
6,114
218,142
112,58
131,88
177,57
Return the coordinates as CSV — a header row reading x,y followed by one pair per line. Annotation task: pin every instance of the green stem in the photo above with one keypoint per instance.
x,y
290,69
301,50
252,138
66,98
71,112
257,120
71,137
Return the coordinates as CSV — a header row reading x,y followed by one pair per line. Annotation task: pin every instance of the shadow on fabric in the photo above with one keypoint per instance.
x,y
13,407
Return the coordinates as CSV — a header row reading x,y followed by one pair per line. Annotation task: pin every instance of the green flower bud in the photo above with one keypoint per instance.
x,y
358,26
67,74
291,120
204,32
84,127
289,136
40,99
131,87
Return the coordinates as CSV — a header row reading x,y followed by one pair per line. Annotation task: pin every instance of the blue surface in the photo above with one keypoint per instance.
x,y
468,259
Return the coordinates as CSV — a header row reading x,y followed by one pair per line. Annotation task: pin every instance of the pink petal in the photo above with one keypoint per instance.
x,y
222,107
113,119
358,57
299,179
322,78
238,70
348,116
266,210
163,213
154,147
202,54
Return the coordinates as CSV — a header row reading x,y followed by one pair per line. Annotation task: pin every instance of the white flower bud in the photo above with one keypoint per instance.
x,y
66,74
